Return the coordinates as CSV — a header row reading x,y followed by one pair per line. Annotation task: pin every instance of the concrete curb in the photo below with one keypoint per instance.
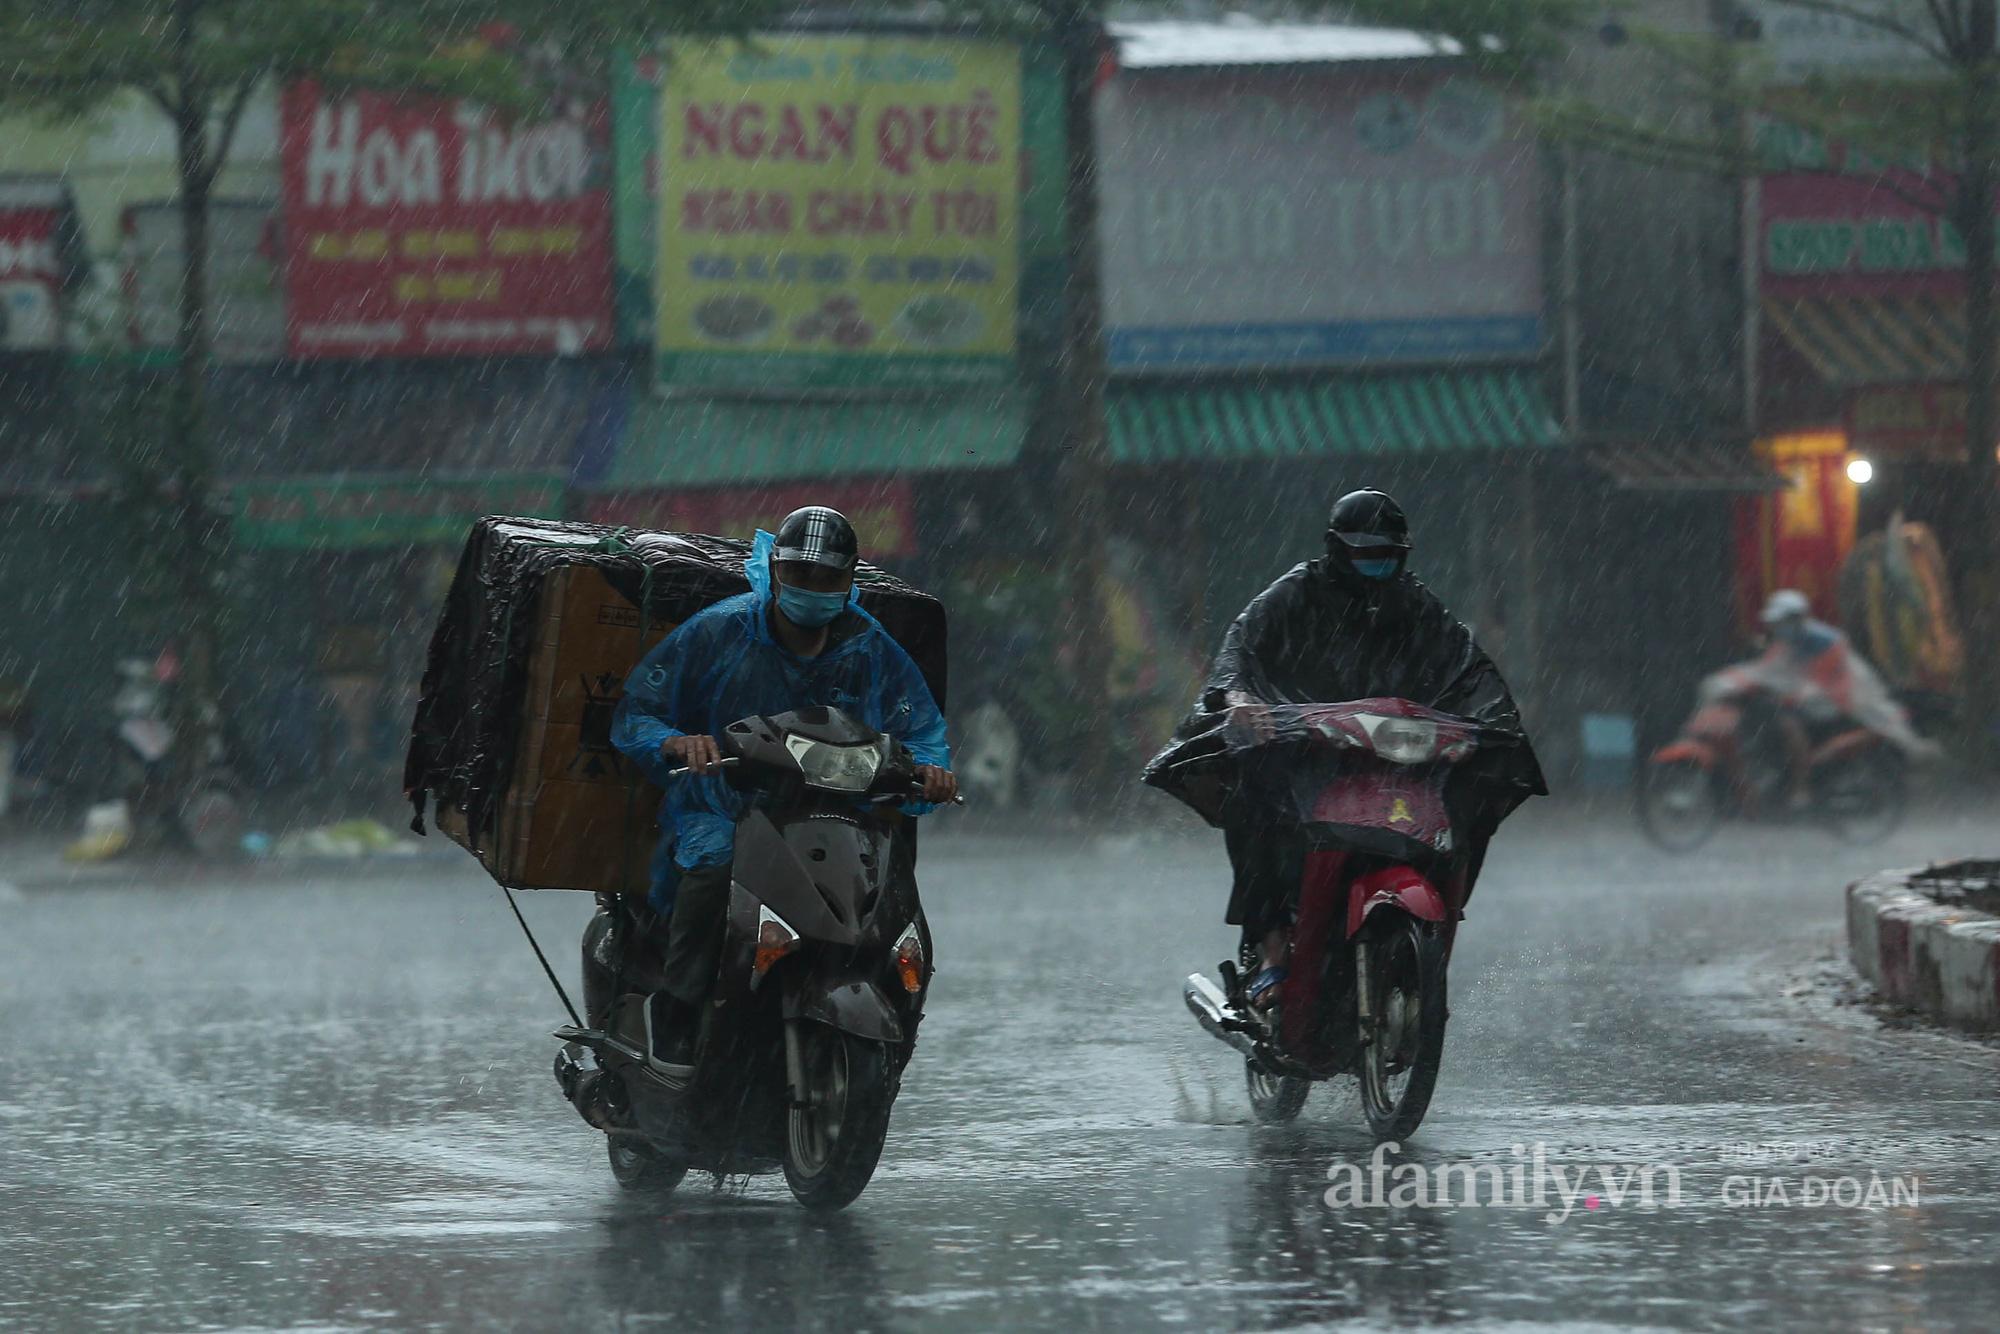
x,y
1942,960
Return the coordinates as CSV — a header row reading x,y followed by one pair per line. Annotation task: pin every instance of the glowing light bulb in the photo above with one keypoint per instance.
x,y
1860,471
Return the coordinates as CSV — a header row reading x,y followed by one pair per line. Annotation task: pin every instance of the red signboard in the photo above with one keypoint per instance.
x,y
881,511
37,259
1833,221
1797,538
419,227
1907,421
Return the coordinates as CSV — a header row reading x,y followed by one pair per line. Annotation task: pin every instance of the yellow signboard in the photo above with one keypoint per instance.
x,y
839,211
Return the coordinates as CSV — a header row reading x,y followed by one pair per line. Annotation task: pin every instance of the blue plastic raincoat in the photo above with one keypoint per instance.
x,y
723,664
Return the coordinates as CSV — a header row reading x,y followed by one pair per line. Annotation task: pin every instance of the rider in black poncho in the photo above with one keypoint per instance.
x,y
1350,625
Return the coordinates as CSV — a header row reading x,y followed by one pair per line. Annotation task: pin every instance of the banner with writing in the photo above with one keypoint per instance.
x,y
41,256
1316,216
419,227
838,212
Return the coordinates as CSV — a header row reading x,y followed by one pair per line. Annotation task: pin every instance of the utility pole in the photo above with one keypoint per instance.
x,y
1079,380
1975,501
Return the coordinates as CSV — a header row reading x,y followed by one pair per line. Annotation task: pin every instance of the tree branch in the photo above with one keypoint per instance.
x,y
1938,207
157,90
232,116
1947,21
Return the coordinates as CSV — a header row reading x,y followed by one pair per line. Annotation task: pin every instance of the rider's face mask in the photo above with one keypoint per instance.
x,y
1376,562
808,607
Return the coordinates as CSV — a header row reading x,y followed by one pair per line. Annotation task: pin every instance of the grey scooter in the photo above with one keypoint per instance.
x,y
825,966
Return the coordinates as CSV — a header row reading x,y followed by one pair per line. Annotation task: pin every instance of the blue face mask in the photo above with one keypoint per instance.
x,y
1376,569
812,610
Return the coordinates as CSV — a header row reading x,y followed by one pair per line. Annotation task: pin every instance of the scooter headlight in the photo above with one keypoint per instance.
x,y
1401,740
842,768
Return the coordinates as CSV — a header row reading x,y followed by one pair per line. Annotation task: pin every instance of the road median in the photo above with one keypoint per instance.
x,y
1929,939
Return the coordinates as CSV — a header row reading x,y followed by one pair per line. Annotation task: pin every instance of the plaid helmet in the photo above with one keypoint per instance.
x,y
817,535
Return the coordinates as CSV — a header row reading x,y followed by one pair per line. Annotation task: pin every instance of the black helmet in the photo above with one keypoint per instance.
x,y
1368,526
817,535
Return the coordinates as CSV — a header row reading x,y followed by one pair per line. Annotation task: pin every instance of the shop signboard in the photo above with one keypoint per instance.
x,y
839,212
40,257
1835,220
353,512
1907,421
881,510
246,301
1798,537
1316,216
419,227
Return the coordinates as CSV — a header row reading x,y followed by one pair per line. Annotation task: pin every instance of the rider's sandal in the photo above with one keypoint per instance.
x,y
1263,987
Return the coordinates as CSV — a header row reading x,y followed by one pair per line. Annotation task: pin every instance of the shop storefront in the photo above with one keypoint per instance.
x,y
1321,273
1861,362
1862,402
730,466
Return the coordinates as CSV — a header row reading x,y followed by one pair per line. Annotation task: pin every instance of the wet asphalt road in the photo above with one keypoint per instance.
x,y
320,1099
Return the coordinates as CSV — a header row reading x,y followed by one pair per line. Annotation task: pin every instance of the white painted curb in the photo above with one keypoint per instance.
x,y
1942,960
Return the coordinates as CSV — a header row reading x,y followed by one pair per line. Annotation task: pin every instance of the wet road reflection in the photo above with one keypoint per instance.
x,y
323,1100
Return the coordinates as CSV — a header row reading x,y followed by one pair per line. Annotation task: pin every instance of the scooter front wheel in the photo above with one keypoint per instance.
x,y
1404,1032
1274,1099
835,1132
639,1166
1679,807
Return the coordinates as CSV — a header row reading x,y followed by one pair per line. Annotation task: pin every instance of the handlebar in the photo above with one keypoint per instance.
x,y
726,762
731,761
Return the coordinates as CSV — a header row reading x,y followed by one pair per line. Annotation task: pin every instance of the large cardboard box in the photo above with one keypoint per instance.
x,y
577,815
543,624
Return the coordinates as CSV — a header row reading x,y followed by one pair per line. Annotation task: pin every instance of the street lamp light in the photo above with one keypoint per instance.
x,y
1860,471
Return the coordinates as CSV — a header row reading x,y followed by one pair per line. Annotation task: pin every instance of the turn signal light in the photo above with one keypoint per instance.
x,y
775,939
910,960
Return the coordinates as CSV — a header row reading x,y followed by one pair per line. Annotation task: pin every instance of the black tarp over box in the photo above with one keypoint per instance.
x,y
544,620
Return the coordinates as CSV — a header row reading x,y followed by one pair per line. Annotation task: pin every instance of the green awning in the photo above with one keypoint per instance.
x,y
359,510
1384,414
727,442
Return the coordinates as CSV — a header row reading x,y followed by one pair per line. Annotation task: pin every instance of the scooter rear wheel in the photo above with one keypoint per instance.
x,y
1679,807
1405,1036
1274,1099
1864,799
833,1142
638,1166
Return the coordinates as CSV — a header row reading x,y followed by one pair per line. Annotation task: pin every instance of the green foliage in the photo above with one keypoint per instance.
x,y
206,55
1514,40
1709,101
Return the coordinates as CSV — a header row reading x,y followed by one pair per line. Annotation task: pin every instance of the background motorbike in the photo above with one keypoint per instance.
x,y
161,797
1716,769
825,966
1383,884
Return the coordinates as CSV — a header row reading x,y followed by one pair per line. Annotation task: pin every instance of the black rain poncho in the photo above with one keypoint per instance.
x,y
1318,636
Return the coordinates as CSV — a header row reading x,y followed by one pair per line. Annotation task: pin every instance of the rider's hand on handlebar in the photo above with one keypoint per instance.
x,y
699,753
939,785
1254,719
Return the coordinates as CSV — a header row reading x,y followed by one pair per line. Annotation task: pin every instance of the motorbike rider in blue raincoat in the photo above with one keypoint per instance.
x,y
797,639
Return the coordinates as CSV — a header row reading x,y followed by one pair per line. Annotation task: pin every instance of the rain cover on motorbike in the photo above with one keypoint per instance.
x,y
512,736
1317,638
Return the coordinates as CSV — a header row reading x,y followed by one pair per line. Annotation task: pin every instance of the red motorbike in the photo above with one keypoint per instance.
x,y
1384,886
1720,766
